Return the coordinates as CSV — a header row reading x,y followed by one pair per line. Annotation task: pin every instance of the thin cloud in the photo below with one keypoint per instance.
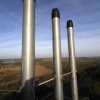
x,y
85,16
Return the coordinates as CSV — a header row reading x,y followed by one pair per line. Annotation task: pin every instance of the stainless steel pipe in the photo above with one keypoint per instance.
x,y
28,41
72,61
28,49
57,54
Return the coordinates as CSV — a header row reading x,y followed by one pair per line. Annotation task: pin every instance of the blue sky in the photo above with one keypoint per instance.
x,y
84,13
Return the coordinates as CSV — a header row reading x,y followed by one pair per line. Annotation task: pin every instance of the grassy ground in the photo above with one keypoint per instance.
x,y
17,64
81,63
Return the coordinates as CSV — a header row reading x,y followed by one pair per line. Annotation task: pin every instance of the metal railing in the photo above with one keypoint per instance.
x,y
52,79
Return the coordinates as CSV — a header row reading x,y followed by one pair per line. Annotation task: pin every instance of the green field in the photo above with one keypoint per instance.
x,y
17,64
81,63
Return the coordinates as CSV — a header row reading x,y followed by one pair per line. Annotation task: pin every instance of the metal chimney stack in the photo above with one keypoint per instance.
x,y
72,61
28,51
57,54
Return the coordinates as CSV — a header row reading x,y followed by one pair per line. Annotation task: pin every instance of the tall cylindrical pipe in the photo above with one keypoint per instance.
x,y
28,50
57,54
72,61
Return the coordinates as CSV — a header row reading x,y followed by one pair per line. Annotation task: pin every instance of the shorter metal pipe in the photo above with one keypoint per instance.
x,y
57,54
72,61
